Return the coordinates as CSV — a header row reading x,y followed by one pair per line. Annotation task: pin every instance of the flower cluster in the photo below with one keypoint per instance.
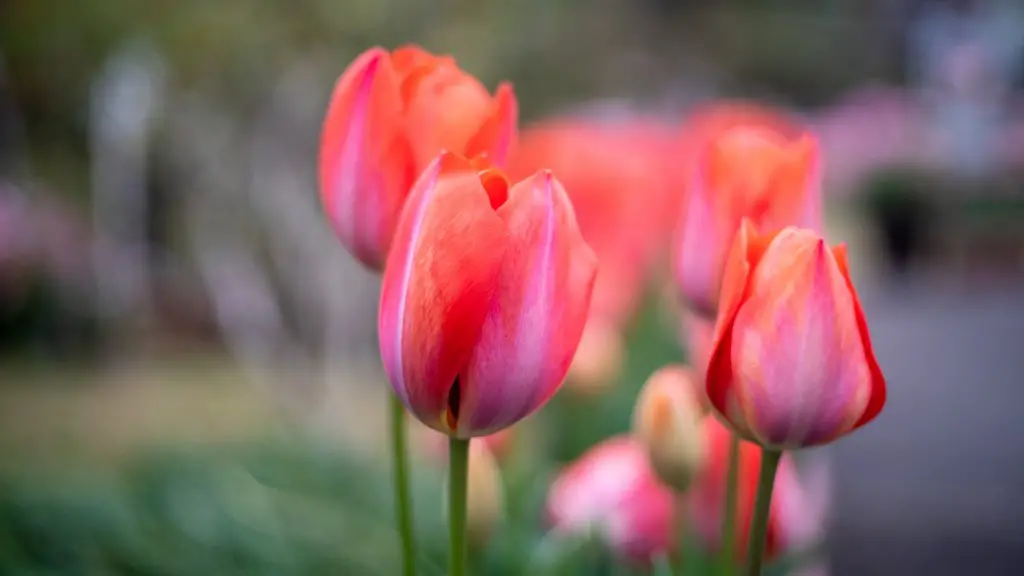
x,y
512,263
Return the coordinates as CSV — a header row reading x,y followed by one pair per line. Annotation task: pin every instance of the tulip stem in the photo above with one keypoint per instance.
x,y
727,553
400,470
458,471
762,507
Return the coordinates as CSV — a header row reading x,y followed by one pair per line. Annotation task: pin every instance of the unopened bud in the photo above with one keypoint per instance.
x,y
666,420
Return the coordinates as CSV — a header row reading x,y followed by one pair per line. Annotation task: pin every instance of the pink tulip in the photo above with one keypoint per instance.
x,y
792,364
613,489
484,297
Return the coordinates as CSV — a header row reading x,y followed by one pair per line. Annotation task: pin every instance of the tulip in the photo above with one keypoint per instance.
x,y
797,513
741,163
792,364
666,421
389,116
484,297
612,492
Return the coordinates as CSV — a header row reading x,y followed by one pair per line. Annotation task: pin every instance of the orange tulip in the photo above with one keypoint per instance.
x,y
797,513
484,297
389,116
741,162
792,364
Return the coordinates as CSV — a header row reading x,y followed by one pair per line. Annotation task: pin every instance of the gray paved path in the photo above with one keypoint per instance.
x,y
935,487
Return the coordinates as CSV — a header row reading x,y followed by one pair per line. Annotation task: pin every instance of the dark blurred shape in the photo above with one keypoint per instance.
x,y
897,204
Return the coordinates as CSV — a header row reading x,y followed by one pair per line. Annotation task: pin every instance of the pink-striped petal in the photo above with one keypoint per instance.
x,y
438,287
364,174
800,376
535,321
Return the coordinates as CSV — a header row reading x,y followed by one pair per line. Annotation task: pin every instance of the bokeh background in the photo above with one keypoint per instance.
x,y
189,380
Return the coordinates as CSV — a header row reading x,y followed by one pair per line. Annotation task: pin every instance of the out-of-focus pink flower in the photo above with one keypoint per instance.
x,y
792,364
484,297
613,491
740,162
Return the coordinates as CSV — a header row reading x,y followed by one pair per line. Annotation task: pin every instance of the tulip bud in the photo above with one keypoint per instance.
x,y
792,364
666,420
485,497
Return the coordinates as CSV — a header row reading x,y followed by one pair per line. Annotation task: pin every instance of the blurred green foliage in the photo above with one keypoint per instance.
x,y
288,504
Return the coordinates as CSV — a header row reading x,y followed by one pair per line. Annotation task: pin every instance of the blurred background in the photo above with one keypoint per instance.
x,y
189,377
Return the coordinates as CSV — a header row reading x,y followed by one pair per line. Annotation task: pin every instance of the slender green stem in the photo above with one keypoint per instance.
x,y
403,501
762,506
727,552
682,521
458,470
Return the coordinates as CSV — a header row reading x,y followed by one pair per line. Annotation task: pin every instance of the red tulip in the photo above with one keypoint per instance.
x,y
792,363
797,512
613,489
741,162
389,115
484,297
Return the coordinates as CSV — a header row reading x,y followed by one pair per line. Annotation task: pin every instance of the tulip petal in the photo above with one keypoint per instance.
x,y
438,285
878,393
798,360
747,249
697,266
363,158
497,134
536,319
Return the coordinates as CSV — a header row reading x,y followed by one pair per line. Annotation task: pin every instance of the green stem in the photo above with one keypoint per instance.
x,y
458,470
762,507
400,469
727,553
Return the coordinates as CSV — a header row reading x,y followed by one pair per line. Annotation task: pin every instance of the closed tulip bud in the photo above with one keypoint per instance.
x,y
484,493
484,297
390,114
792,363
666,420
612,491
741,164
